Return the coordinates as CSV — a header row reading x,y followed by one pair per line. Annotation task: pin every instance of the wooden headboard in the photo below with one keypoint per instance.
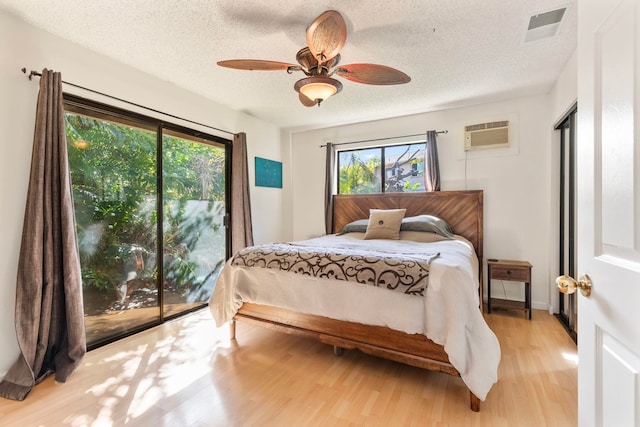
x,y
463,210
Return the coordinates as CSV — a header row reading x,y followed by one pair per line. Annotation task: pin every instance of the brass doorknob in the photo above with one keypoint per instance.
x,y
568,285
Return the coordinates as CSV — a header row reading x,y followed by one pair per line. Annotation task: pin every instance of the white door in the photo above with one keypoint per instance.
x,y
608,166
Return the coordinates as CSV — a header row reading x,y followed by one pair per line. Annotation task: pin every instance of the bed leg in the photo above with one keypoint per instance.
x,y
338,351
474,402
232,329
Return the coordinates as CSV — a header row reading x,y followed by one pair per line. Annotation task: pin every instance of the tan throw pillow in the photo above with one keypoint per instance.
x,y
384,224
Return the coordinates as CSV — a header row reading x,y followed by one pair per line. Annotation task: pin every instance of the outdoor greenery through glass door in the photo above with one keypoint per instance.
x,y
194,210
114,167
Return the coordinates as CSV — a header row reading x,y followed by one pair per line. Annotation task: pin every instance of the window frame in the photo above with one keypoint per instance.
x,y
383,170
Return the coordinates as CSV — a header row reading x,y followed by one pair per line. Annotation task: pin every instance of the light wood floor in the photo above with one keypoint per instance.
x,y
186,373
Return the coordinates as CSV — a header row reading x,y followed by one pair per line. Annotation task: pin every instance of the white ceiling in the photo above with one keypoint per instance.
x,y
457,52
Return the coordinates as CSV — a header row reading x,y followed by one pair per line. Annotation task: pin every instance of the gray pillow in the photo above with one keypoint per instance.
x,y
427,223
359,226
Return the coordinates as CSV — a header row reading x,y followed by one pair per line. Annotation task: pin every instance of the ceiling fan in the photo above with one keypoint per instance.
x,y
319,60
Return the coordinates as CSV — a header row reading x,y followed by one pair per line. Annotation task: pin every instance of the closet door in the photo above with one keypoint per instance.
x,y
568,309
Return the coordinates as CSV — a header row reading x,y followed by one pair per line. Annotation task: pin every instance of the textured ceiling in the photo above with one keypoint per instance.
x,y
457,52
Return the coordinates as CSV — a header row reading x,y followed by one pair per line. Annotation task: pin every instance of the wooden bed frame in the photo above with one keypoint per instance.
x,y
463,210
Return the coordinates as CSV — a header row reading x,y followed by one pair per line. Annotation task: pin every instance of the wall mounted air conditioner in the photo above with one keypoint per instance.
x,y
486,135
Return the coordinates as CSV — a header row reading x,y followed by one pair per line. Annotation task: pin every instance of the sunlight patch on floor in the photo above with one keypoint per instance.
x,y
143,375
572,357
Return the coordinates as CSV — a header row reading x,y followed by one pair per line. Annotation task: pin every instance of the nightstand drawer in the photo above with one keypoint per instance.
x,y
517,274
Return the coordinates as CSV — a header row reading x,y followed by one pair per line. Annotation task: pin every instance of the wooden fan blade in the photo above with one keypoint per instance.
x,y
257,64
372,74
306,101
327,35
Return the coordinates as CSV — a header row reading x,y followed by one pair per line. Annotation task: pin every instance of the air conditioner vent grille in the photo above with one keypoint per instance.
x,y
483,126
486,135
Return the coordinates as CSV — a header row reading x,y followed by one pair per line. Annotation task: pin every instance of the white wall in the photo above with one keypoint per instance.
x,y
23,46
515,180
565,91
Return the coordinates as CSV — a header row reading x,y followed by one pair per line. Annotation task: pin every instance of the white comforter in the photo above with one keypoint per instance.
x,y
448,314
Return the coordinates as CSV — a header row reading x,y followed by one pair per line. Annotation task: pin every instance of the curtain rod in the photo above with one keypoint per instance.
x,y
35,73
383,139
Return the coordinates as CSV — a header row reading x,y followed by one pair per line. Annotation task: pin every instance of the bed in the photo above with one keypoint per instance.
x,y
440,330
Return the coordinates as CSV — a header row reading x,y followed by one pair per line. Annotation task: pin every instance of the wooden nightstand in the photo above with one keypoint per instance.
x,y
515,271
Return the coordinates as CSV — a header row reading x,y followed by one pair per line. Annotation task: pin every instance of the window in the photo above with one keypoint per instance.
x,y
150,201
361,171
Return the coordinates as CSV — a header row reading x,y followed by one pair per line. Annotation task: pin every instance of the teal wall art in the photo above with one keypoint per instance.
x,y
268,173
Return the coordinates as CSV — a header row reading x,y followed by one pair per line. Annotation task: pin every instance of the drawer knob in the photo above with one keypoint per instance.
x,y
509,272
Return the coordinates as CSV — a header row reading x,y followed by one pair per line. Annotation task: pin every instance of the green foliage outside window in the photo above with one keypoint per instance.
x,y
359,176
114,177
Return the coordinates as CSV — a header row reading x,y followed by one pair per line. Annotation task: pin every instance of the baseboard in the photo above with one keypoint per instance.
x,y
534,305
540,306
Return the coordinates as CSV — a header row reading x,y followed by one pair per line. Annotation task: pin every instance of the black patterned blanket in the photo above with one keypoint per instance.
x,y
402,272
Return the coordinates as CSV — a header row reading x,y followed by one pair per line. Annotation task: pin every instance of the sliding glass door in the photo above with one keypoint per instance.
x,y
150,201
194,235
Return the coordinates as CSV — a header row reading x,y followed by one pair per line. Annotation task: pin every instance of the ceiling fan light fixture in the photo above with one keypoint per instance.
x,y
318,60
318,88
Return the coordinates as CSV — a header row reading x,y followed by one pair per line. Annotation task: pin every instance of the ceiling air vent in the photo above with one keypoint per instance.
x,y
486,135
543,25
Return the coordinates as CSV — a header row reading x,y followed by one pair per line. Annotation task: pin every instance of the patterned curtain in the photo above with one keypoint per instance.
x,y
241,229
49,313
432,166
329,182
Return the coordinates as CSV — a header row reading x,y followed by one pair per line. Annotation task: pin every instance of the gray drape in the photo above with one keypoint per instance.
x,y
329,181
431,163
241,230
49,315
